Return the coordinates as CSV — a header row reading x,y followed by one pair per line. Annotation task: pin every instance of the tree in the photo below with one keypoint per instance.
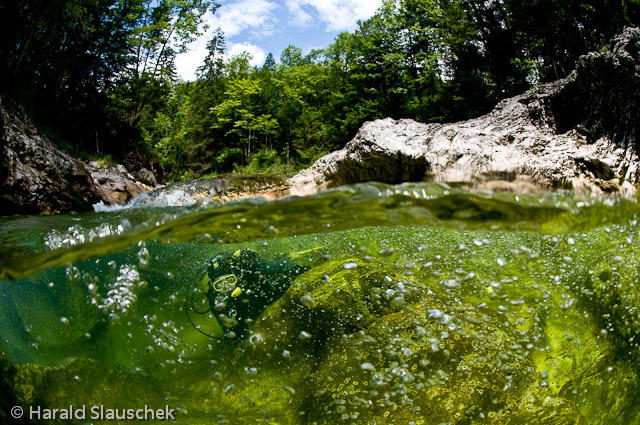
x,y
238,65
266,126
269,63
291,56
93,69
239,115
557,33
166,134
61,57
213,64
163,28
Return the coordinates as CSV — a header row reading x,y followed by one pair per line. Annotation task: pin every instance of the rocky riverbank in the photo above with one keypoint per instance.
x,y
578,133
37,177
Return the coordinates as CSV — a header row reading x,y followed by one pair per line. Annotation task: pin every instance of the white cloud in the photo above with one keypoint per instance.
x,y
238,16
256,16
259,55
187,63
338,15
257,20
300,17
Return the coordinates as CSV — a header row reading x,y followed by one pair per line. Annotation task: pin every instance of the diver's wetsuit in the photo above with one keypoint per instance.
x,y
241,285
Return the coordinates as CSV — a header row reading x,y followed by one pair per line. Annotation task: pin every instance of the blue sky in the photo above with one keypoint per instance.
x,y
264,26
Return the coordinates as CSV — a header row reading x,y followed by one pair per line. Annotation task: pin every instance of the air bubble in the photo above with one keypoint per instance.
x,y
308,301
304,335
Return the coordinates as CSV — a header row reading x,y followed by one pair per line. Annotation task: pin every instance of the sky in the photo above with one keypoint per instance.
x,y
261,27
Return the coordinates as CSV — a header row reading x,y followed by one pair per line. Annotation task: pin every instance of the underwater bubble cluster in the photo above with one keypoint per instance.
x,y
78,235
121,294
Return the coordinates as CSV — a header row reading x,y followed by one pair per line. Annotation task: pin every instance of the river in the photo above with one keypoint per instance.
x,y
368,304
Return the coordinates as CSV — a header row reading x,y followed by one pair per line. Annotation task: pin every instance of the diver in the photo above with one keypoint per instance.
x,y
239,286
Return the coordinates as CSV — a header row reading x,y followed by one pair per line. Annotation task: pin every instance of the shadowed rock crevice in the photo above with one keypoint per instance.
x,y
601,98
390,169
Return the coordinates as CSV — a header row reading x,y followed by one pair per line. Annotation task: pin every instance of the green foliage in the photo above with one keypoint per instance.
x,y
227,159
264,161
95,70
105,160
310,155
165,135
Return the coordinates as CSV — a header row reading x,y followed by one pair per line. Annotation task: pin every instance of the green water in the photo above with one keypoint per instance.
x,y
419,304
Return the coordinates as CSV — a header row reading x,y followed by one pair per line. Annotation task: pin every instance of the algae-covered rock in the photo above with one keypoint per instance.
x,y
8,399
420,363
614,285
461,328
84,384
608,393
607,285
357,341
270,369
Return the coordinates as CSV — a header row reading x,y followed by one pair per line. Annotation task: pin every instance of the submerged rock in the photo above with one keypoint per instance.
x,y
83,384
376,360
577,133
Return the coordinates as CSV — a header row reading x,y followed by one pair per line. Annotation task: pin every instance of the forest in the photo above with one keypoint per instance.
x,y
98,76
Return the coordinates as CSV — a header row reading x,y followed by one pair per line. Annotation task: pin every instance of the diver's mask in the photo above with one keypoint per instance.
x,y
224,285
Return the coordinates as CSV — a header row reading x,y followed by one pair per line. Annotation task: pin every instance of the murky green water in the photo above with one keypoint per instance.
x,y
412,304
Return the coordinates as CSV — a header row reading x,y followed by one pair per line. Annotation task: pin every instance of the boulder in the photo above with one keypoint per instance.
x,y
145,176
114,184
37,177
577,133
384,352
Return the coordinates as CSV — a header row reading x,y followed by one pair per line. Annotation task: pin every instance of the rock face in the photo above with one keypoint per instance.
x,y
37,177
114,184
578,133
